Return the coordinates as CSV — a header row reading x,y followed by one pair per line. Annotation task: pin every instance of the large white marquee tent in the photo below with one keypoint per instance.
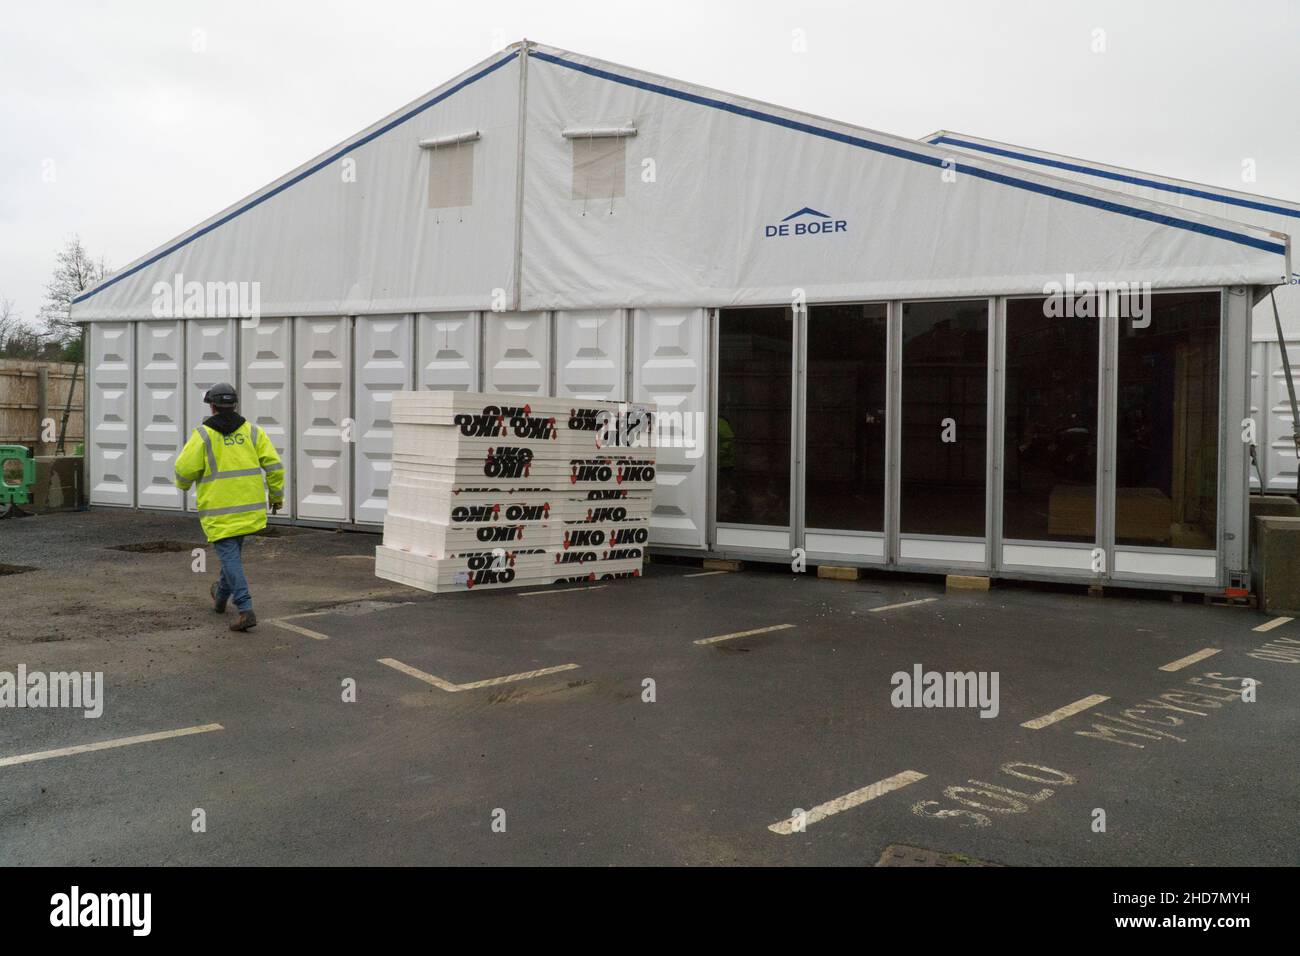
x,y
1270,401
832,304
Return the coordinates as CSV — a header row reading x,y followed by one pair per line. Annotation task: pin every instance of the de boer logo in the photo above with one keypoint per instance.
x,y
806,222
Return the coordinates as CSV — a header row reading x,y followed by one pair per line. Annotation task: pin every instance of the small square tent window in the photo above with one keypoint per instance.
x,y
451,172
599,164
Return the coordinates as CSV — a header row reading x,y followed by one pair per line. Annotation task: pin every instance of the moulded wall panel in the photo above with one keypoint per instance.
x,y
590,350
518,353
110,446
1280,464
266,384
383,366
670,353
210,358
322,401
160,431
448,343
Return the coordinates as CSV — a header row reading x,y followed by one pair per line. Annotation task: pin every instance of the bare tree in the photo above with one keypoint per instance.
x,y
17,337
74,272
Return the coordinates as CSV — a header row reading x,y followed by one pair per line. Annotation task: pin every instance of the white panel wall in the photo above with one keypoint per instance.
x,y
591,354
160,410
266,387
518,353
322,402
448,345
670,348
1271,409
210,358
383,366
110,445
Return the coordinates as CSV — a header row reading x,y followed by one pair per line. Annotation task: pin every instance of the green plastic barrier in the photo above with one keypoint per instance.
x,y
20,492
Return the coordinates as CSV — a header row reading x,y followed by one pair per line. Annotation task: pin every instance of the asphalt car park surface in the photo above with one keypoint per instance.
x,y
643,733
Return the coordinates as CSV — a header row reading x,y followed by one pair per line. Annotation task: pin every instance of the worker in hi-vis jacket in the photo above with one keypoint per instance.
x,y
227,456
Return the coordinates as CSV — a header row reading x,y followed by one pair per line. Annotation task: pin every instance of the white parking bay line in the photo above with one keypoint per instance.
x,y
451,688
108,744
848,801
894,607
1269,625
757,630
511,678
1190,659
704,574
304,631
593,587
1069,710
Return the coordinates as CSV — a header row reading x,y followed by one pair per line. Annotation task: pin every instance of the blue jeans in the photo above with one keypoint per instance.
x,y
232,583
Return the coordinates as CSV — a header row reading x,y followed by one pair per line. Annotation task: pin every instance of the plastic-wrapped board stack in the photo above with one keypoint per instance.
x,y
493,491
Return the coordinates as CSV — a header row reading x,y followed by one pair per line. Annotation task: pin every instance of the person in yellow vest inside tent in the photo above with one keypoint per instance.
x,y
227,458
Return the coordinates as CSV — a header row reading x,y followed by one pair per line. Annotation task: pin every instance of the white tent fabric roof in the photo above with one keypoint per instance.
x,y
1279,215
724,201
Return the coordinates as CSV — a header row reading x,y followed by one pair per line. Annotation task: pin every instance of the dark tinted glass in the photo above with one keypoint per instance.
x,y
1167,432
1049,476
754,355
845,437
944,414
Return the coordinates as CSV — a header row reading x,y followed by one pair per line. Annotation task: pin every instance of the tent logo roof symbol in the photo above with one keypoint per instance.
x,y
805,211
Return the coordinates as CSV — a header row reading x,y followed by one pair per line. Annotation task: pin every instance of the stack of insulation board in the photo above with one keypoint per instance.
x,y
492,491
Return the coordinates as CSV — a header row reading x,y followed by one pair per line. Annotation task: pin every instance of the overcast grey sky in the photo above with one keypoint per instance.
x,y
117,123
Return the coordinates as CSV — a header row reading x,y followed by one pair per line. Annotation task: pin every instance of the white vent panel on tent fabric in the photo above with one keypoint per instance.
x,y
266,390
866,216
160,407
351,231
448,351
451,176
599,167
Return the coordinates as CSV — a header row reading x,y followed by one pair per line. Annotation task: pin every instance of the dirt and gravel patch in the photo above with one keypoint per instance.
x,y
117,577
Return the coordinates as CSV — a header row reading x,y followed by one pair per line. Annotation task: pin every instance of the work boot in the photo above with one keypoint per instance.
x,y
218,604
245,621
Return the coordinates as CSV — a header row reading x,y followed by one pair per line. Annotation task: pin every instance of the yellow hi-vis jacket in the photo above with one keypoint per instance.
x,y
228,469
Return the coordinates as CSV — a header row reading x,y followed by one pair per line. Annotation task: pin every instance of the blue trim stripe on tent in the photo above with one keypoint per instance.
x,y
315,168
1119,177
901,153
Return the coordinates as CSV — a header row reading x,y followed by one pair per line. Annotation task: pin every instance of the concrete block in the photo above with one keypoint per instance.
x,y
1275,563
968,582
1274,506
718,564
837,573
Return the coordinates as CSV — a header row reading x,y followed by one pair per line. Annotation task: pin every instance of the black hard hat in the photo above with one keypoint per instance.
x,y
221,394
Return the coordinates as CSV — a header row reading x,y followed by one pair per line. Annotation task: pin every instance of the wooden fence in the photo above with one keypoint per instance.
x,y
23,406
